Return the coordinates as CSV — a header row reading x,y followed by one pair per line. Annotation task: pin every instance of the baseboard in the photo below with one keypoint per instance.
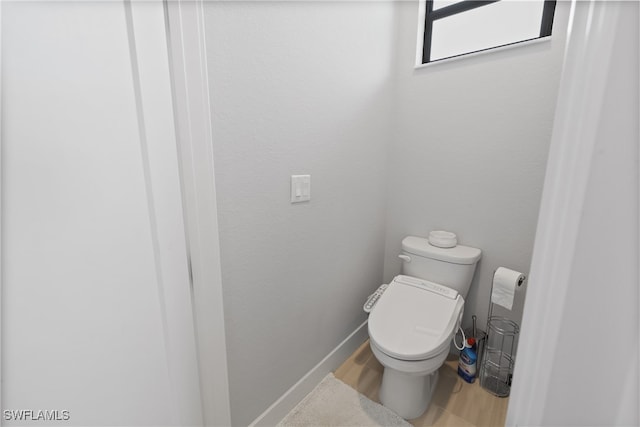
x,y
281,407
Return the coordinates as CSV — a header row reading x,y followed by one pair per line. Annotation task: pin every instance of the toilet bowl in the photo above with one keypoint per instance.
x,y
410,329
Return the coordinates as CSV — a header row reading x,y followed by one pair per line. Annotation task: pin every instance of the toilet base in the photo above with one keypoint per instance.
x,y
407,395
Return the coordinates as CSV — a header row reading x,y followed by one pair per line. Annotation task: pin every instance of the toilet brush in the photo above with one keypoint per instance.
x,y
473,331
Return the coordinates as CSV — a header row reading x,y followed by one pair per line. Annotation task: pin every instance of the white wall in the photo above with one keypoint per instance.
x,y
469,150
96,315
296,88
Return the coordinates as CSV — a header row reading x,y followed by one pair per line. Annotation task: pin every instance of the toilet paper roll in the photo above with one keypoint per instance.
x,y
505,282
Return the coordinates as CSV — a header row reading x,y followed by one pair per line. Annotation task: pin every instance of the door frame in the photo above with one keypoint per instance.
x,y
192,109
150,63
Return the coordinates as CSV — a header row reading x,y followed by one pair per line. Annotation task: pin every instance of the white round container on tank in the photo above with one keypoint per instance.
x,y
443,239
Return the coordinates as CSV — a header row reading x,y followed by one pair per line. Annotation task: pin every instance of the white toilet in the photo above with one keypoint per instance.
x,y
413,322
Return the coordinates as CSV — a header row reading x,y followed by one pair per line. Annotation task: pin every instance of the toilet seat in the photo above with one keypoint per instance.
x,y
413,321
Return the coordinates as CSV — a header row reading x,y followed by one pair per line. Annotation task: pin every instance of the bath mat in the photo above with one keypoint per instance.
x,y
333,403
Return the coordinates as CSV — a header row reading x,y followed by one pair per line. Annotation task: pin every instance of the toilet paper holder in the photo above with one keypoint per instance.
x,y
520,280
498,356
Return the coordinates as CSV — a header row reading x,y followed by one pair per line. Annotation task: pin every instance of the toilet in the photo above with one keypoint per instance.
x,y
415,319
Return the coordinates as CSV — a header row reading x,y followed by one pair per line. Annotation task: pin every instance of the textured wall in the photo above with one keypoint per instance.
x,y
469,150
297,88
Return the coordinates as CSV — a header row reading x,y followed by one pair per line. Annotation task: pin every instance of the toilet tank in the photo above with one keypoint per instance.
x,y
452,267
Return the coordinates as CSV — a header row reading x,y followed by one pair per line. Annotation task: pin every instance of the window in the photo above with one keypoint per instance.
x,y
454,28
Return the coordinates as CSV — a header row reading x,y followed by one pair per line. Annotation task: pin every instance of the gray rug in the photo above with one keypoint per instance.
x,y
333,403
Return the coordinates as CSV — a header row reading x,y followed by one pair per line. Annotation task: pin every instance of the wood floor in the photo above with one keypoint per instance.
x,y
455,402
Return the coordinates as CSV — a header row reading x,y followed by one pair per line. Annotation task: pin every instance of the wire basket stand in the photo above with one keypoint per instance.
x,y
496,370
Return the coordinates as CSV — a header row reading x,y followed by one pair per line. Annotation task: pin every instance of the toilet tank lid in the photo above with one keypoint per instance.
x,y
456,255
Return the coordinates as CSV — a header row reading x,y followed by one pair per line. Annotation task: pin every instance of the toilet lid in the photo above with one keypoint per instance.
x,y
414,319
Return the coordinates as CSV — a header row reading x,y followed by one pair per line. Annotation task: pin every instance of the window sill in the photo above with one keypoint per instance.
x,y
420,65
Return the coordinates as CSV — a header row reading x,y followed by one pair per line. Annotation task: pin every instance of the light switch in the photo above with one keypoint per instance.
x,y
300,188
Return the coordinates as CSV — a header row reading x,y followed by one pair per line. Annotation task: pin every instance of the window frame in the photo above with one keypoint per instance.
x,y
462,6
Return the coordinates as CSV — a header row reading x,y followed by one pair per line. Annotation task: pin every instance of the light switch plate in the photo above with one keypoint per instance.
x,y
300,188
